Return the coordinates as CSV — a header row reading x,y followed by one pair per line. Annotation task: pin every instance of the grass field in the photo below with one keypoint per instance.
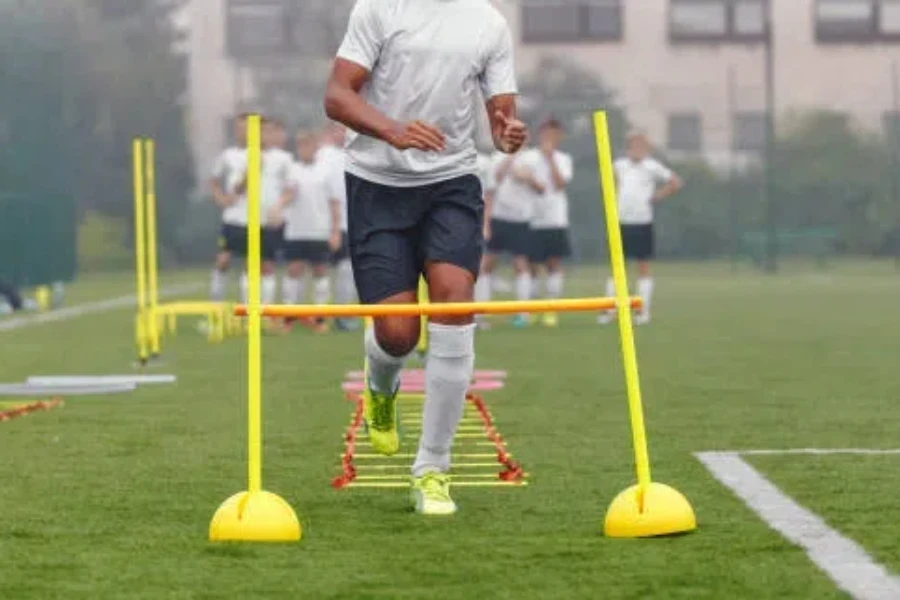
x,y
111,497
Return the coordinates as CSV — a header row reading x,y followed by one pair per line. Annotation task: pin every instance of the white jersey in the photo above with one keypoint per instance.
x,y
333,160
230,169
513,201
551,209
308,216
486,173
636,183
276,169
425,59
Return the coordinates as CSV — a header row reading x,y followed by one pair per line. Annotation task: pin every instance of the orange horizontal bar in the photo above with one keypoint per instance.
x,y
436,309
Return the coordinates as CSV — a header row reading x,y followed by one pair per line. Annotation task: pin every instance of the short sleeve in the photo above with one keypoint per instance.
x,y
499,74
660,172
364,37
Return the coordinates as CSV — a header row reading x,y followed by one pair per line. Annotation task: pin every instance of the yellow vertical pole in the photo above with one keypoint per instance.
x,y
254,334
626,330
140,265
422,346
152,270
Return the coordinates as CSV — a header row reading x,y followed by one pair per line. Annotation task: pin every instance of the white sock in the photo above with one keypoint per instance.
x,y
645,291
555,285
218,283
451,360
321,290
483,288
292,289
610,287
344,286
269,287
523,286
245,288
383,372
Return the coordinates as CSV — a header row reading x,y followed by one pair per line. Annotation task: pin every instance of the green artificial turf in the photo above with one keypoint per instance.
x,y
111,497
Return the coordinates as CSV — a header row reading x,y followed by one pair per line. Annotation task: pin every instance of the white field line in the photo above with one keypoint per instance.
x,y
73,312
842,559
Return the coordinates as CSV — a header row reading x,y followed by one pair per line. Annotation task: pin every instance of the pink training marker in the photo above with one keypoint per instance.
x,y
419,387
419,374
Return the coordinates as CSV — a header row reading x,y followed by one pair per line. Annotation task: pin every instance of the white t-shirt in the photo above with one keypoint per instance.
x,y
636,183
308,216
231,165
425,58
551,209
333,160
513,201
276,169
229,168
486,173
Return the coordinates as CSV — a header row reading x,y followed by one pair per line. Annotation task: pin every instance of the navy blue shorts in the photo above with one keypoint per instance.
x,y
638,241
509,237
315,252
394,231
233,239
549,243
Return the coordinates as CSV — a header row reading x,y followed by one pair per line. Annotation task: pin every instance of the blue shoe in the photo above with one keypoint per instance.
x,y
520,321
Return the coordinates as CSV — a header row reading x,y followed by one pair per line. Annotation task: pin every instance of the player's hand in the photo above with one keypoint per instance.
x,y
334,242
275,218
417,135
225,200
513,135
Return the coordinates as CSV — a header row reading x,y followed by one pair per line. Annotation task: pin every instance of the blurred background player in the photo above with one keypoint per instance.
x,y
484,283
549,240
510,212
228,172
312,227
641,181
330,157
276,170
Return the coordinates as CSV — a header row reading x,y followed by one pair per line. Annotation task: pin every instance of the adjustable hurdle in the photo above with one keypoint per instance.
x,y
153,318
644,510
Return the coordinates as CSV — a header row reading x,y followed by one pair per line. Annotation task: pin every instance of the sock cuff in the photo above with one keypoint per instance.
x,y
451,341
376,352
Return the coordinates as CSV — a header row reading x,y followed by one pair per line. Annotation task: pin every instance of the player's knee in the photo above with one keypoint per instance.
x,y
398,336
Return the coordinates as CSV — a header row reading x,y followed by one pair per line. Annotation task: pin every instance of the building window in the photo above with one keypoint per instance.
x,y
256,28
749,131
556,21
857,21
718,20
685,132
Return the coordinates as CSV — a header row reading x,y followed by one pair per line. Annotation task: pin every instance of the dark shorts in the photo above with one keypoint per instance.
x,y
315,252
342,253
549,243
394,231
638,241
509,237
233,239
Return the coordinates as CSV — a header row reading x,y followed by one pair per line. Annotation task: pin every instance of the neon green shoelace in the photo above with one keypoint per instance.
x,y
436,486
383,413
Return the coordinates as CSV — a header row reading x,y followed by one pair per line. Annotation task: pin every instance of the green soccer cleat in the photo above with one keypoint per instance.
x,y
431,494
550,319
380,411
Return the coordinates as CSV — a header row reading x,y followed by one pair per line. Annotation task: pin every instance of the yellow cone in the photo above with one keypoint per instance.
x,y
255,517
664,511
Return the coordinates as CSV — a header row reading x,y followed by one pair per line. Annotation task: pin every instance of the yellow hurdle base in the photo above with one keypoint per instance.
x,y
663,511
255,517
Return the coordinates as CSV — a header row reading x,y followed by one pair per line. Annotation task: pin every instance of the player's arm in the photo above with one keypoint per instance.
x,y
335,207
672,184
508,132
220,196
498,85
